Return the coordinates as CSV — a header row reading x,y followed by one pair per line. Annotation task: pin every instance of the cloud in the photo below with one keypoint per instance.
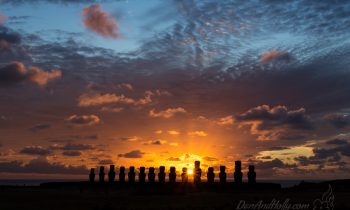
x,y
112,109
3,19
99,99
272,164
174,133
16,72
271,123
168,113
71,153
105,162
228,120
337,142
156,142
132,154
338,120
100,22
173,159
198,133
83,120
275,56
39,127
174,144
72,146
42,166
126,86
86,100
210,159
35,150
131,138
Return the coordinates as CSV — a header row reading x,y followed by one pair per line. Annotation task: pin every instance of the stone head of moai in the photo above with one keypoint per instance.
x,y
111,168
102,169
151,170
184,170
162,169
122,169
222,169
211,169
132,169
251,168
197,164
238,165
142,169
92,171
172,169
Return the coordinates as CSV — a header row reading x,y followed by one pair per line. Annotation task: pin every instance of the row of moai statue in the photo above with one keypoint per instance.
x,y
151,176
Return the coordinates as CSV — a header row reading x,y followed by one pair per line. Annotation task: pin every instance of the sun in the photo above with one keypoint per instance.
x,y
190,171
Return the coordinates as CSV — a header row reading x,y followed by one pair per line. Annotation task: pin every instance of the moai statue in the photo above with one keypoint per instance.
x,y
251,175
210,175
122,174
222,174
142,175
161,174
102,174
184,175
197,172
92,175
111,174
151,175
238,173
131,174
172,175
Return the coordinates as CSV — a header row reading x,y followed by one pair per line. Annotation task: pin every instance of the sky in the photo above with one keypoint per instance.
x,y
87,83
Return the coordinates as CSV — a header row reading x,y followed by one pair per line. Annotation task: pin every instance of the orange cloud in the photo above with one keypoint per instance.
x,y
16,72
100,22
3,19
174,133
168,113
197,133
228,120
274,55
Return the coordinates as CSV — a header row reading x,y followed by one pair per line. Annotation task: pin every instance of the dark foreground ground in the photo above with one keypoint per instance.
x,y
81,196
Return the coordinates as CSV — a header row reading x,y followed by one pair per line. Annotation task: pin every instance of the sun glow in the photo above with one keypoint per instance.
x,y
190,171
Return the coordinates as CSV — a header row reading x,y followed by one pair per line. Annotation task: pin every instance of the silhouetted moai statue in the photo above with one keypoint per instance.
x,y
151,175
222,174
142,175
131,174
161,174
172,175
238,173
111,174
92,175
184,175
210,175
102,174
197,172
122,174
251,175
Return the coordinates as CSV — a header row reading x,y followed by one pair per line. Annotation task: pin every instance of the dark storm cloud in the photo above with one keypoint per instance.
x,y
324,156
132,154
41,166
338,120
337,142
71,153
275,122
41,126
270,165
35,150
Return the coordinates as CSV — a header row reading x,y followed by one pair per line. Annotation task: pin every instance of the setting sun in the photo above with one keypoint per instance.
x,y
190,171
